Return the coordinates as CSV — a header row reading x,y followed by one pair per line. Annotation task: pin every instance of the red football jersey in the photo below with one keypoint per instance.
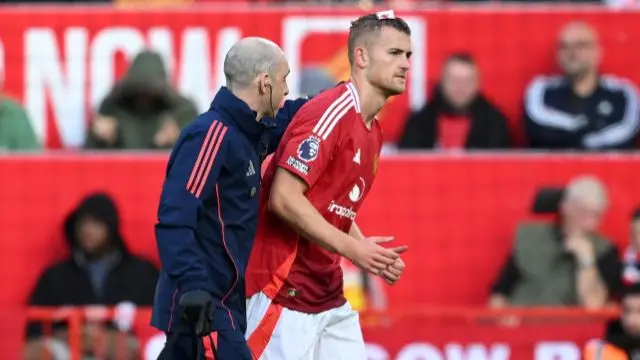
x,y
329,146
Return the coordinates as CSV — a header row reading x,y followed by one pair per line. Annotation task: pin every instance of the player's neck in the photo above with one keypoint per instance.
x,y
371,99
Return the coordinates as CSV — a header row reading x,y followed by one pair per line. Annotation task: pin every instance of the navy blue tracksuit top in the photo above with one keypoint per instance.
x,y
208,209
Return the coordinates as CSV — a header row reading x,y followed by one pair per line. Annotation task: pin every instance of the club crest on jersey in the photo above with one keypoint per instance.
x,y
308,149
357,191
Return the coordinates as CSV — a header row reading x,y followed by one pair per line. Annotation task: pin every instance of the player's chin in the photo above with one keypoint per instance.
x,y
398,86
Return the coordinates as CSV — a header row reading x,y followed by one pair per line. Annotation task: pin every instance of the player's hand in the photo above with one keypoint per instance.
x,y
373,257
393,272
380,239
196,308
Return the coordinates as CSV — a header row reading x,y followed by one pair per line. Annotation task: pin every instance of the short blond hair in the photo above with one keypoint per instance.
x,y
589,189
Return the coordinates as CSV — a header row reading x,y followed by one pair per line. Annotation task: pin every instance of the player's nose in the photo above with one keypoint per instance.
x,y
405,64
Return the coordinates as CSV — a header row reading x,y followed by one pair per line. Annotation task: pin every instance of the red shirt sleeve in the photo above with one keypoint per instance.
x,y
314,136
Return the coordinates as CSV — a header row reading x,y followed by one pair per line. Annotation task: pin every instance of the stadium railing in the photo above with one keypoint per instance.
x,y
523,332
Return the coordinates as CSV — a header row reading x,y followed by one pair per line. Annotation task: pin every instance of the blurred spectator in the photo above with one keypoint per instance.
x,y
99,271
631,258
16,132
563,264
581,109
142,111
458,115
622,336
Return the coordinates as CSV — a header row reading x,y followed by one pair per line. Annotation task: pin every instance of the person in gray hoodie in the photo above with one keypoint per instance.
x,y
142,111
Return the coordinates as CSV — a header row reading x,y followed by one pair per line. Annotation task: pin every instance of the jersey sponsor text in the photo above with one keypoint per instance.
x,y
342,211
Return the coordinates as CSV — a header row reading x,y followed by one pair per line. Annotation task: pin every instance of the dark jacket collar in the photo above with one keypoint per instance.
x,y
567,84
239,113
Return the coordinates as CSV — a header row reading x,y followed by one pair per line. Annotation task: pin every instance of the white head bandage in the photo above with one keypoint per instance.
x,y
387,14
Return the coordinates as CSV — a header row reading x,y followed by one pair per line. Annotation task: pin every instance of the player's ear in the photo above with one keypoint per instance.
x,y
264,83
360,56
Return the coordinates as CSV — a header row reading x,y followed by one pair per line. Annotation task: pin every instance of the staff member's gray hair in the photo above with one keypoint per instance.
x,y
249,58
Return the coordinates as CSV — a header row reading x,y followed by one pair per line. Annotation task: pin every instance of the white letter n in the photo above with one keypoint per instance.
x,y
44,75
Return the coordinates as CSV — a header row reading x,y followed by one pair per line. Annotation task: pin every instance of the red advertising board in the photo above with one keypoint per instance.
x,y
433,338
61,61
457,213
449,334
422,340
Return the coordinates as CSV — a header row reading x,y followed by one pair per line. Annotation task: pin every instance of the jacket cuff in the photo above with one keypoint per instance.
x,y
191,285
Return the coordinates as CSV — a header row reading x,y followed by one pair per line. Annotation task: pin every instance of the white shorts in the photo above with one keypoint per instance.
x,y
277,333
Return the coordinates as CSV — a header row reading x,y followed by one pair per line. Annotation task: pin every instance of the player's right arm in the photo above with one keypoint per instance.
x,y
287,200
192,174
310,147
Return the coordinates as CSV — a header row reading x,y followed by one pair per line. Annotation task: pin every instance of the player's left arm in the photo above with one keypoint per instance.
x,y
393,272
282,121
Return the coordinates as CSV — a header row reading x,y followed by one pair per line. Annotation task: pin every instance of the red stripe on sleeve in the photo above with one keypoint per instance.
x,y
218,140
203,156
200,155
